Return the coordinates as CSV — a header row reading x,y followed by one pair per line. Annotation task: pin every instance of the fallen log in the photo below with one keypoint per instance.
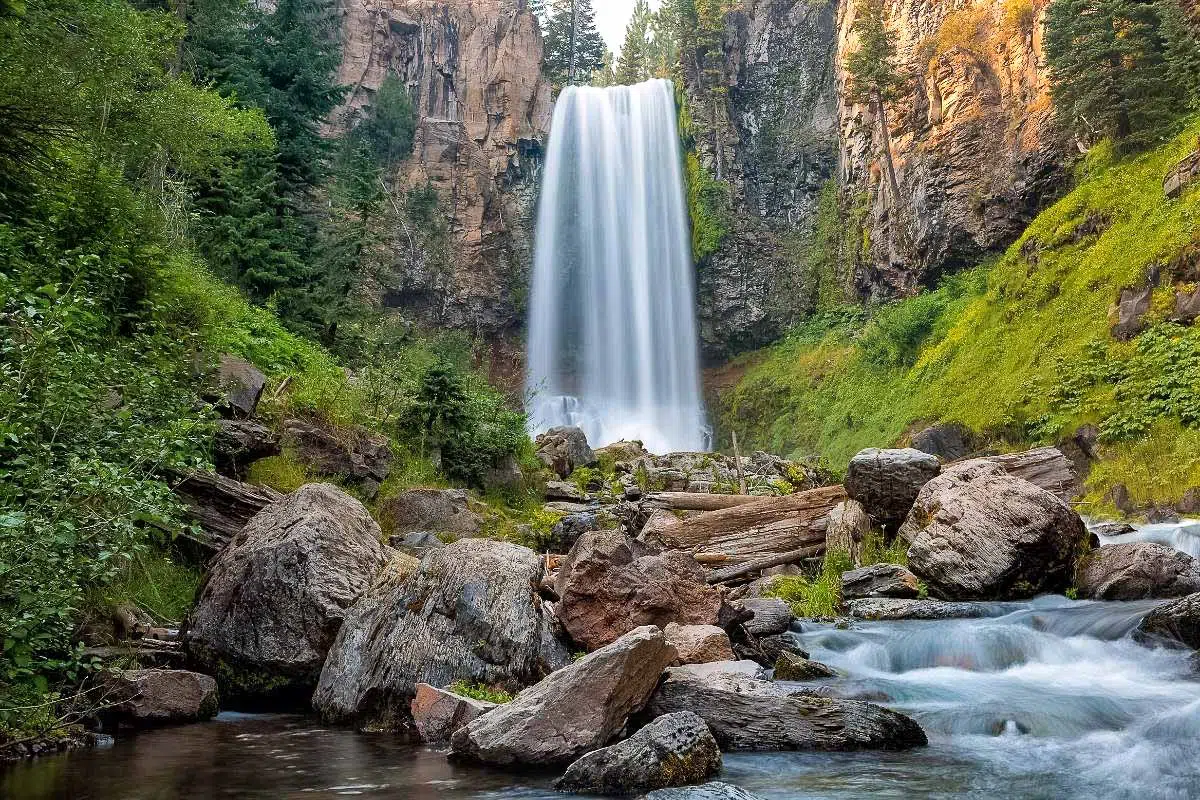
x,y
766,527
1046,467
698,501
222,507
751,567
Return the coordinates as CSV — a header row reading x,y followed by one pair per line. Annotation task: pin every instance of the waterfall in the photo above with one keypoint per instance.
x,y
612,324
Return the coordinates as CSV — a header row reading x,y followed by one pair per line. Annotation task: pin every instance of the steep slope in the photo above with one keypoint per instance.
x,y
1082,330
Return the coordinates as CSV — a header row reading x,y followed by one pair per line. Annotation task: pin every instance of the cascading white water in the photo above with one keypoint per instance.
x,y
612,324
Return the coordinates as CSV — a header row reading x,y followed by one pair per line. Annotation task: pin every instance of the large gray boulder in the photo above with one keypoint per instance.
x,y
432,510
470,613
573,711
151,697
610,584
275,598
674,750
1135,571
1175,624
879,580
748,714
978,533
886,482
564,450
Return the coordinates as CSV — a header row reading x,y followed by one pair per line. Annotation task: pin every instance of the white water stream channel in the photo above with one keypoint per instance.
x,y
612,319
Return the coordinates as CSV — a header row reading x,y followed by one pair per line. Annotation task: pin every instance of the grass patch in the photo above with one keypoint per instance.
x,y
478,691
818,596
158,583
283,473
1017,349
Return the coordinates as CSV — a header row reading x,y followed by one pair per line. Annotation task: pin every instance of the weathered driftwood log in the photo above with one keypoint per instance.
x,y
767,527
729,574
1045,467
221,505
699,501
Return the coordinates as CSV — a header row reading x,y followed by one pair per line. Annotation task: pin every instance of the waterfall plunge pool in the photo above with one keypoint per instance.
x,y
1047,699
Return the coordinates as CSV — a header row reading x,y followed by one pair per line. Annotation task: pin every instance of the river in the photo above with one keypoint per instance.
x,y
1048,699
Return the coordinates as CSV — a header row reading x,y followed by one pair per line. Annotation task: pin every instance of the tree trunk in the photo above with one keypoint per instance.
x,y
885,134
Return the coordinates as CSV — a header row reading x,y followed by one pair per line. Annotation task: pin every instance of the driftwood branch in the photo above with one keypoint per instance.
x,y
751,567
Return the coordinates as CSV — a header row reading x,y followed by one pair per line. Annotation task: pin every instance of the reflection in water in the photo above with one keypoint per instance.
x,y
1049,699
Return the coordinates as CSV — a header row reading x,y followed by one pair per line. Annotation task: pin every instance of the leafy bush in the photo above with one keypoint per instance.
x,y
817,597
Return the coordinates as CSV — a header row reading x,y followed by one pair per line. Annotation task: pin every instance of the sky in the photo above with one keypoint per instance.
x,y
611,18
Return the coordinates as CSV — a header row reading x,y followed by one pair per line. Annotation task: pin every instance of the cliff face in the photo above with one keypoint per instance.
x,y
473,68
975,152
765,115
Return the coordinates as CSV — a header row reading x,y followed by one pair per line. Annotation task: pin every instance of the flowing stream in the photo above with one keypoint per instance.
x,y
1048,699
612,321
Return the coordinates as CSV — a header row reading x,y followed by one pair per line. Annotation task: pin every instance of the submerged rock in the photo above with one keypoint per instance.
x,y
574,710
438,713
275,598
747,714
1176,623
886,482
149,697
879,580
469,613
674,750
1136,571
610,584
978,533
708,791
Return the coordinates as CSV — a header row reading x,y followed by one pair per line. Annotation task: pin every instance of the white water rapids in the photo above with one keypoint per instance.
x,y
612,322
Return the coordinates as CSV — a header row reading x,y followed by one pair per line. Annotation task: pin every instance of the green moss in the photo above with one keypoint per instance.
x,y
1018,349
478,691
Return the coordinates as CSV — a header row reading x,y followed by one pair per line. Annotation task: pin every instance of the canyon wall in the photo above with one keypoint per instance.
x,y
975,152
473,68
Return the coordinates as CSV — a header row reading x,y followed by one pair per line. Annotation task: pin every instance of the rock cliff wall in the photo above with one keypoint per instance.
x,y
765,114
972,140
473,68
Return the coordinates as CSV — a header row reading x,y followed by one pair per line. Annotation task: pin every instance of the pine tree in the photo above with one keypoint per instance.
x,y
574,48
1109,70
634,63
390,123
874,77
1182,51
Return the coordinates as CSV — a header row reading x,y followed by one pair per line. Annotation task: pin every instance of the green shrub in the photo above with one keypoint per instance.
x,y
478,691
817,597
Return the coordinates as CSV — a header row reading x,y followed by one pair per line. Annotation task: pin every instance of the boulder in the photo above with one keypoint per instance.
x,y
1045,467
1176,624
948,441
1133,303
610,584
748,714
433,510
274,599
767,650
622,451
699,644
886,482
470,613
504,475
879,580
241,385
883,609
574,710
772,615
564,450
848,528
354,454
714,790
674,750
564,491
238,442
1136,571
149,697
978,533
791,667
438,713
567,531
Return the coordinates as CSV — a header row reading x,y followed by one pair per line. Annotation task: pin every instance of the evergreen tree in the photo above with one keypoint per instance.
x,y
390,124
574,48
1108,69
1182,51
874,76
634,64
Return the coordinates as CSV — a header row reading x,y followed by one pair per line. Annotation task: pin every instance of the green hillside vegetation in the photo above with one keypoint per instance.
x,y
1018,349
